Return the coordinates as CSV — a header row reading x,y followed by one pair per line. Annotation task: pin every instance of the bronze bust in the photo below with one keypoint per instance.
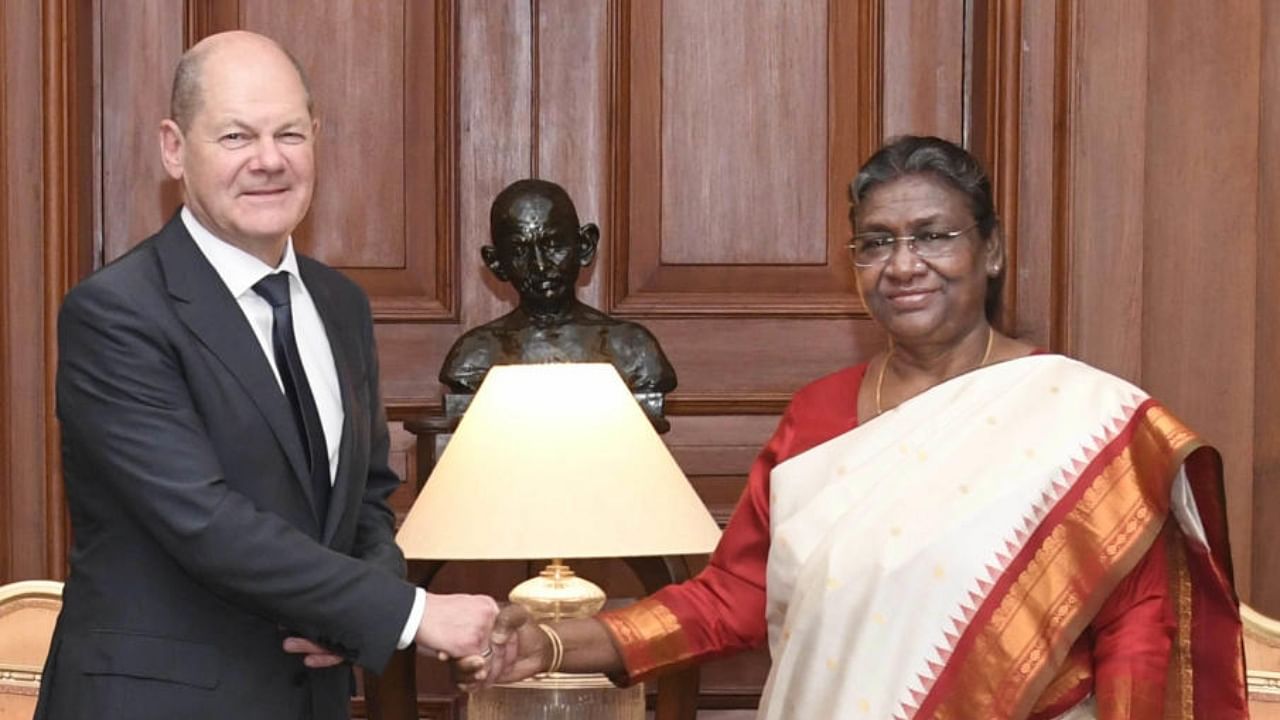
x,y
539,247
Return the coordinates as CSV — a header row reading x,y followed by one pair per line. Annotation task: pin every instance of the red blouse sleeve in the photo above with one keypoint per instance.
x,y
1132,637
719,611
1167,641
722,610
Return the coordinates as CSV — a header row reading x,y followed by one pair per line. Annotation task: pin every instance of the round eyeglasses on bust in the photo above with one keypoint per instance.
x,y
875,248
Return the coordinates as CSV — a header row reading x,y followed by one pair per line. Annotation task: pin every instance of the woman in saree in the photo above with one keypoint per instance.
x,y
960,527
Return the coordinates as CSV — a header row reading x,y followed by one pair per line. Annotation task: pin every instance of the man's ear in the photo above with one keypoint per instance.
x,y
172,148
491,261
588,241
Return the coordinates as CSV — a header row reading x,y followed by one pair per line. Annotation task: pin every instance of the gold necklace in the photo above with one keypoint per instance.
x,y
986,355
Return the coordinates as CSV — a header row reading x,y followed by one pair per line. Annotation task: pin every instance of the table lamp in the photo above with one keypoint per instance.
x,y
555,461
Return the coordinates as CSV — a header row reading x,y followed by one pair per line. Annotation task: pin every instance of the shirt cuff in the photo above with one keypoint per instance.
x,y
415,618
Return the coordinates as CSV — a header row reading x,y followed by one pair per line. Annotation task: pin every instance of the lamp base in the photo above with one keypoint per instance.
x,y
557,593
559,696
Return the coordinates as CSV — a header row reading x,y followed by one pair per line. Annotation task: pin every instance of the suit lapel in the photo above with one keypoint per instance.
x,y
207,308
327,307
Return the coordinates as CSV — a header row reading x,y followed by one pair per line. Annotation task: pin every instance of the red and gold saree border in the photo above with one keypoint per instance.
x,y
1215,651
1012,649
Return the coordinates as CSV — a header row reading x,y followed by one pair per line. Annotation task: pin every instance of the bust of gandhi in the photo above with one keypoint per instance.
x,y
539,247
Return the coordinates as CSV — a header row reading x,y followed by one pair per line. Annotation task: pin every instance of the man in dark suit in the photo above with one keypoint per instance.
x,y
224,443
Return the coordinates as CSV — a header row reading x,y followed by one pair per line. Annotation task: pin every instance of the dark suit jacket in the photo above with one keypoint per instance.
x,y
196,550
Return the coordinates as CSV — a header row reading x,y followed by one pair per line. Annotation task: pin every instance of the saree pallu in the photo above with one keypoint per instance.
x,y
943,559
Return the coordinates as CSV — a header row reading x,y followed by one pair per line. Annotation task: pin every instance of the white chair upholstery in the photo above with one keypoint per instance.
x,y
28,610
1262,663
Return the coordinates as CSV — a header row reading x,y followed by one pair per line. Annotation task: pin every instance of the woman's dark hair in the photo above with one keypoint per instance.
x,y
923,155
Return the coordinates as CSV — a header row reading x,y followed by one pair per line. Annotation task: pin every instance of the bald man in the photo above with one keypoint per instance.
x,y
224,442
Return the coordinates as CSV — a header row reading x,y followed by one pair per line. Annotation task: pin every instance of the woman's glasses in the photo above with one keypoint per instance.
x,y
872,249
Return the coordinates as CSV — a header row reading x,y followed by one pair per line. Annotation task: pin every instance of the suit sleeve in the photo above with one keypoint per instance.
x,y
127,414
375,532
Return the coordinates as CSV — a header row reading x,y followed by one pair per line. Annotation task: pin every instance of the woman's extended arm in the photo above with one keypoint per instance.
x,y
522,649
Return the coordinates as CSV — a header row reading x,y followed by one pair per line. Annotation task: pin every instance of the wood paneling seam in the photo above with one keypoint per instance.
x,y
535,87
448,286
6,470
59,274
1061,289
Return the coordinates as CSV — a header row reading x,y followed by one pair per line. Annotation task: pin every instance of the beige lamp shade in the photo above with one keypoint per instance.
x,y
555,461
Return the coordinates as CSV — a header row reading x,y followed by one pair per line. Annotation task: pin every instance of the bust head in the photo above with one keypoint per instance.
x,y
538,245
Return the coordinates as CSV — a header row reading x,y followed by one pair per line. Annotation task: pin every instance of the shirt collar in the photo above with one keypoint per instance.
x,y
239,270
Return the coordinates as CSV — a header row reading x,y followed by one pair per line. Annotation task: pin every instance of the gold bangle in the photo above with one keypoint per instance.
x,y
557,647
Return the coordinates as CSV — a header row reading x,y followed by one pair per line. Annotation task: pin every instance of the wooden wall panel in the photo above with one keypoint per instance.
x,y
45,212
1018,124
745,361
495,111
67,81
1201,239
358,218
22,487
570,129
29,283
6,342
645,283
1037,142
1265,593
715,451
139,46
924,68
497,114
995,47
1107,134
1163,145
744,178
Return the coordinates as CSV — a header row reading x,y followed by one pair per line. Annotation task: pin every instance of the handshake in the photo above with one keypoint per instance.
x,y
486,644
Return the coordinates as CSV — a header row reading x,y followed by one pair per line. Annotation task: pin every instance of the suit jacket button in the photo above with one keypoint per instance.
x,y
300,678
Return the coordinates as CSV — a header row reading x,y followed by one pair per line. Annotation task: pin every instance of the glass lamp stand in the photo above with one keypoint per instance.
x,y
558,594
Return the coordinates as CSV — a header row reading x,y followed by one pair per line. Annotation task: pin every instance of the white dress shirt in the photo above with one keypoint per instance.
x,y
240,271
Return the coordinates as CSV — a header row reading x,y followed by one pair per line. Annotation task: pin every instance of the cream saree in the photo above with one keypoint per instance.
x,y
940,560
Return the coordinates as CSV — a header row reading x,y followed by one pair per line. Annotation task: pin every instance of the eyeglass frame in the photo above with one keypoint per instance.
x,y
852,247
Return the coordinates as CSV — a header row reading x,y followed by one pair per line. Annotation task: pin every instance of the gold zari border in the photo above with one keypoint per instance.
x,y
649,637
1077,671
1180,687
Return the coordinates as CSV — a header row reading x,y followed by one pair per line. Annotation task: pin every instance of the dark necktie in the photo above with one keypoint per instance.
x,y
275,290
